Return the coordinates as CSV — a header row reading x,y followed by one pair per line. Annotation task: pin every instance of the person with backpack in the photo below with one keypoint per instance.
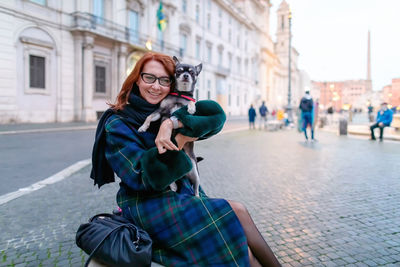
x,y
263,114
252,117
306,107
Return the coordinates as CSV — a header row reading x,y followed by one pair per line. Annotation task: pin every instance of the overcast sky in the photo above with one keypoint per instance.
x,y
331,37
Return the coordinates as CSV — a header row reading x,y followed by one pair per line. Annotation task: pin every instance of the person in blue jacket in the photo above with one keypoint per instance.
x,y
306,106
252,117
383,119
263,110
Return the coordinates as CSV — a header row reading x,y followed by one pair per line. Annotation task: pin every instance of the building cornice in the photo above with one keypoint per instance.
x,y
235,12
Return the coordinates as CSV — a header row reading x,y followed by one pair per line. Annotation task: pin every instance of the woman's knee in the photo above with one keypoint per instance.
x,y
238,207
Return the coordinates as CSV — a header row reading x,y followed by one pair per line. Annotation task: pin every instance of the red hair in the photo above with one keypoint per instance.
x,y
134,76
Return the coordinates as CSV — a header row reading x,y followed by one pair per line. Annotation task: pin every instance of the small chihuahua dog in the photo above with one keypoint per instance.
x,y
186,78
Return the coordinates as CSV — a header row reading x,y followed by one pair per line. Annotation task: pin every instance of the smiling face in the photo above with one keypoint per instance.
x,y
153,92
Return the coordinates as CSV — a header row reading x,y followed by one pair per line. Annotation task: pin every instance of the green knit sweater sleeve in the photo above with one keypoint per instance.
x,y
160,170
207,121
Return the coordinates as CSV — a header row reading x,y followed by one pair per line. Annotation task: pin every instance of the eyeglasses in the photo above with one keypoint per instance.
x,y
150,78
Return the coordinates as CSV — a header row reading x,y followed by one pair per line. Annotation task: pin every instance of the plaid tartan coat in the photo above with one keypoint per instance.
x,y
186,230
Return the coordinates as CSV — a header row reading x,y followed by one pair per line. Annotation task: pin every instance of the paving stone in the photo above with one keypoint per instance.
x,y
339,209
349,260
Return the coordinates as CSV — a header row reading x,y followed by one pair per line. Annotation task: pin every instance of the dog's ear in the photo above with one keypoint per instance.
x,y
198,68
176,60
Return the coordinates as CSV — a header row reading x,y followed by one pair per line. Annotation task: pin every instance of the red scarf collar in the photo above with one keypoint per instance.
x,y
184,96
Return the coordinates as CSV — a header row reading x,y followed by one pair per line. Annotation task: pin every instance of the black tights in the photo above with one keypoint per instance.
x,y
258,247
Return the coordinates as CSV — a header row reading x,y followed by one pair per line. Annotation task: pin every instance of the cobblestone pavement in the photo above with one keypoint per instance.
x,y
331,203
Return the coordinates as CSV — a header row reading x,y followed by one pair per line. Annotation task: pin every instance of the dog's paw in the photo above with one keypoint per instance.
x,y
173,187
191,109
142,129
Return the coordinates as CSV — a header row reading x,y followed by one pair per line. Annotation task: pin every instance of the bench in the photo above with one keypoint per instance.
x,y
396,122
273,125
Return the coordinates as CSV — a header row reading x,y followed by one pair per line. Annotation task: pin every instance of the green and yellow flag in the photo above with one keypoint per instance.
x,y
162,23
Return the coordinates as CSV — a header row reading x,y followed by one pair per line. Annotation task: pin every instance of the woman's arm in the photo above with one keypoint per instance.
x,y
163,139
124,149
138,167
207,121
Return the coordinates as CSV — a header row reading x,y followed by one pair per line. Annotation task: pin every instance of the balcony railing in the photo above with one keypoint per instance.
x,y
222,71
88,22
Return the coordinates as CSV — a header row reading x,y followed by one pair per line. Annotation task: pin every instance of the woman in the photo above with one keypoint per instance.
x,y
252,117
186,230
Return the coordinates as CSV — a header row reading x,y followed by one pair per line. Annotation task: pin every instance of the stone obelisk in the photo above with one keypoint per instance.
x,y
369,81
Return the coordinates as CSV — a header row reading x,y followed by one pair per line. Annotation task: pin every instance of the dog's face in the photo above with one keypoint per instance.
x,y
186,76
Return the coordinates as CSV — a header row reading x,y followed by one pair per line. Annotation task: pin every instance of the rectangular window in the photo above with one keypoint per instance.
x,y
133,26
220,58
197,13
208,21
184,6
100,79
208,89
230,61
198,49
37,70
160,38
182,50
98,11
219,28
40,2
209,54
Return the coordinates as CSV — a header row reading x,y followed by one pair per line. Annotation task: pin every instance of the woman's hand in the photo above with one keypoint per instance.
x,y
163,139
181,140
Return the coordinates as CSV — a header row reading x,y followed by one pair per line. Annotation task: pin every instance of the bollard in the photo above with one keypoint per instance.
x,y
342,126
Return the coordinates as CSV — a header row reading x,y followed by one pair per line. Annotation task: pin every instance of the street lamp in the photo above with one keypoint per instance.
x,y
289,105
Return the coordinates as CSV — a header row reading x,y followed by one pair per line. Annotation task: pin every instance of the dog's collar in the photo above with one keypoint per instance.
x,y
184,96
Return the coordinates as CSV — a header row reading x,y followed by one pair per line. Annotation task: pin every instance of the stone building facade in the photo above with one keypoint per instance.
x,y
391,93
299,79
64,60
342,94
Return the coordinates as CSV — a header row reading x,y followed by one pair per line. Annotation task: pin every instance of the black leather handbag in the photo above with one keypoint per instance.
x,y
114,241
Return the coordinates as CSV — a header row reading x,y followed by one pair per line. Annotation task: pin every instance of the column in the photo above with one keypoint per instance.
x,y
122,54
78,97
88,113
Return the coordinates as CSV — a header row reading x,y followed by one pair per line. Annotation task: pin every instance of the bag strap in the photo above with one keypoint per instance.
x,y
108,215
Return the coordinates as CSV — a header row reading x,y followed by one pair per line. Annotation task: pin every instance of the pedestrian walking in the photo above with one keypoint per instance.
x,y
330,112
252,117
273,114
263,110
370,113
350,113
306,107
384,118
182,226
